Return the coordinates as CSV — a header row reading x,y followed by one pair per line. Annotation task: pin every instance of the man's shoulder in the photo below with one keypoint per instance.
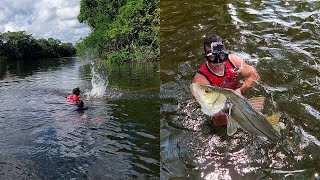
x,y
236,60
200,79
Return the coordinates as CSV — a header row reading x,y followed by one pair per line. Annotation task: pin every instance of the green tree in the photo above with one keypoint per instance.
x,y
15,44
20,45
122,30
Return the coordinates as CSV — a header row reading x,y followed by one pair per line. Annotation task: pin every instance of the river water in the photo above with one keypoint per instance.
x,y
42,137
281,40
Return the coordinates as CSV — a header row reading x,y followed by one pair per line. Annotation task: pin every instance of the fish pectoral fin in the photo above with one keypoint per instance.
x,y
274,121
257,103
232,126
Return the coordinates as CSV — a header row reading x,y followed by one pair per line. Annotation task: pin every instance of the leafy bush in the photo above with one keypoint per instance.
x,y
122,30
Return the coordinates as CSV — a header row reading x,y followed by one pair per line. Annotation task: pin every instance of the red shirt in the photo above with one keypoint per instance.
x,y
72,98
227,80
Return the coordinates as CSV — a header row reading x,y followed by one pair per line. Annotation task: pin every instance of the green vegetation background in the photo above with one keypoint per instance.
x,y
20,45
122,30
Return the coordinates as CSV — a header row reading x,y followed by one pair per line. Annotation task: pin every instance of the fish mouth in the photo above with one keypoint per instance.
x,y
210,100
196,91
200,92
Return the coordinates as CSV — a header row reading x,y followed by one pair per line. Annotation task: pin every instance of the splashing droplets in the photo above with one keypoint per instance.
x,y
99,83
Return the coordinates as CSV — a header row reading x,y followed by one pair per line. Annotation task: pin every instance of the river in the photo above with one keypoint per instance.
x,y
281,40
42,137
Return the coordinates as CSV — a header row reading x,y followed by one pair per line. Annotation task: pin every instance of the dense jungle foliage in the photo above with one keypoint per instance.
x,y
19,45
122,30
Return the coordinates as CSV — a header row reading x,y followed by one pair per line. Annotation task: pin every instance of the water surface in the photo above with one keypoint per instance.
x,y
43,137
281,40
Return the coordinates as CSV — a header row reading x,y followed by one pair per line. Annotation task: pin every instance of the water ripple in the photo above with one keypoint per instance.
x,y
39,126
280,39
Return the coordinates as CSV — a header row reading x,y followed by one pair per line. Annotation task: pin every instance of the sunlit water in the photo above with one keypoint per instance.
x,y
43,137
280,39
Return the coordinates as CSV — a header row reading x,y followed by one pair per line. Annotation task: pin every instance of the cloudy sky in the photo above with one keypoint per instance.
x,y
43,18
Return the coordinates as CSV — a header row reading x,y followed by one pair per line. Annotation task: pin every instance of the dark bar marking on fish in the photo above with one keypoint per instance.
x,y
252,123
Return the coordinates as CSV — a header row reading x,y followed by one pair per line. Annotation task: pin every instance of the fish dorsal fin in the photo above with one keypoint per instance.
x,y
232,126
257,103
274,121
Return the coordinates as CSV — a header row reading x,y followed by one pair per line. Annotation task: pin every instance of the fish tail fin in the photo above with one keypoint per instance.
x,y
274,121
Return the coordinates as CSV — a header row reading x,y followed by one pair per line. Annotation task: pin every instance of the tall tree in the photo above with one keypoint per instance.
x,y
121,29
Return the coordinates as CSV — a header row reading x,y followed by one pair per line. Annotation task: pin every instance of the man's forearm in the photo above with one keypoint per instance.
x,y
249,82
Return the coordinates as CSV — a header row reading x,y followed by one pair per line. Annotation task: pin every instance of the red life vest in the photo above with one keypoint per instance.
x,y
72,98
227,80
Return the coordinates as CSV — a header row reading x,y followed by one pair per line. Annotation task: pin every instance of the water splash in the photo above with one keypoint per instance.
x,y
99,80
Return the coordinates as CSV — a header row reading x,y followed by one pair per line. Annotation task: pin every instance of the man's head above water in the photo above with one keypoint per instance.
x,y
79,104
214,50
211,39
76,91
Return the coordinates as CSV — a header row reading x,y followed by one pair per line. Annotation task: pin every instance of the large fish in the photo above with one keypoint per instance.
x,y
239,110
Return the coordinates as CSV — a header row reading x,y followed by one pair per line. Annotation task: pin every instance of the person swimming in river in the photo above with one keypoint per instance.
x,y
80,105
75,96
81,109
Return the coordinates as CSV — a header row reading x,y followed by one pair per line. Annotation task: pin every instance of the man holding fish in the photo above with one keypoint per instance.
x,y
217,89
223,69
